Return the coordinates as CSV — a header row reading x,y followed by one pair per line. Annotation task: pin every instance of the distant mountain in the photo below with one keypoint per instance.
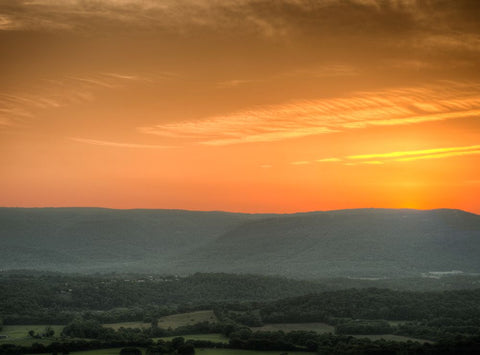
x,y
358,243
355,243
97,239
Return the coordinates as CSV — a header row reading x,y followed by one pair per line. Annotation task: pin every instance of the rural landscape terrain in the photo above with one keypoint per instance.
x,y
368,243
239,177
350,281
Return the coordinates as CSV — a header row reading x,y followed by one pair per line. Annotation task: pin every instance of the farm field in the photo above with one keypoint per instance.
x,y
218,338
172,321
393,338
325,328
117,326
116,351
179,320
287,327
246,352
18,334
108,351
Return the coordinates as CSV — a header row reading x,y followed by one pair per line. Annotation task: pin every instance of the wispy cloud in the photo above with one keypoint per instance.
x,y
328,70
95,81
430,22
464,41
234,83
119,144
16,108
441,155
406,156
124,76
372,162
367,162
328,160
6,23
425,152
5,121
304,118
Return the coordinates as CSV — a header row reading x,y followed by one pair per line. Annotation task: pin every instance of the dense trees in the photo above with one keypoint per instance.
x,y
29,298
51,298
130,351
80,328
449,317
375,304
282,342
363,327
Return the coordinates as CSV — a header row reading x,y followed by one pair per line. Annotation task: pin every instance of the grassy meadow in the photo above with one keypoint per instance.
x,y
172,321
179,320
108,351
116,351
117,326
215,337
246,352
392,337
288,327
18,334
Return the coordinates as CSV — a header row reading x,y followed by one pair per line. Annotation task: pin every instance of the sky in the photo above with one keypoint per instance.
x,y
240,105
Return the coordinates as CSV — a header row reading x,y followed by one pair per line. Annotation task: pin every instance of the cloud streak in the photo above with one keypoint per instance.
x,y
406,156
442,155
425,152
119,144
434,23
328,160
17,108
305,118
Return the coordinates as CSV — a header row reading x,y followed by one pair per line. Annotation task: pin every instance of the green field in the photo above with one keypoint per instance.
x,y
217,338
178,320
116,351
246,352
109,351
173,321
117,326
288,327
325,328
18,334
393,338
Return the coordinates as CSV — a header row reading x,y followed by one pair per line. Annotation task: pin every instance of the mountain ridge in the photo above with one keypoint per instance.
x,y
367,242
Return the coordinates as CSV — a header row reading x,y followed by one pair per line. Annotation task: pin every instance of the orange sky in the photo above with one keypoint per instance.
x,y
245,105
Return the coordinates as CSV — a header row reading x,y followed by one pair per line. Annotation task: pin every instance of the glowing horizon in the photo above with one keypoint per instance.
x,y
243,106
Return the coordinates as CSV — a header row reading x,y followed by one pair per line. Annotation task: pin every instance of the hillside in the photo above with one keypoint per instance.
x,y
355,243
96,239
358,243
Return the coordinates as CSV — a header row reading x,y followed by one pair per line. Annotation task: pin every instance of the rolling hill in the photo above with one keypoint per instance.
x,y
355,243
96,239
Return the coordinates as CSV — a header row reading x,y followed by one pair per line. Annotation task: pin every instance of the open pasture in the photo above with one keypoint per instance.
x,y
173,321
182,319
393,337
108,351
215,337
246,352
288,327
117,326
18,334
116,351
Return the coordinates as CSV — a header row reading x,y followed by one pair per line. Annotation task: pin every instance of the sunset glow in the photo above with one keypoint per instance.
x,y
245,105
